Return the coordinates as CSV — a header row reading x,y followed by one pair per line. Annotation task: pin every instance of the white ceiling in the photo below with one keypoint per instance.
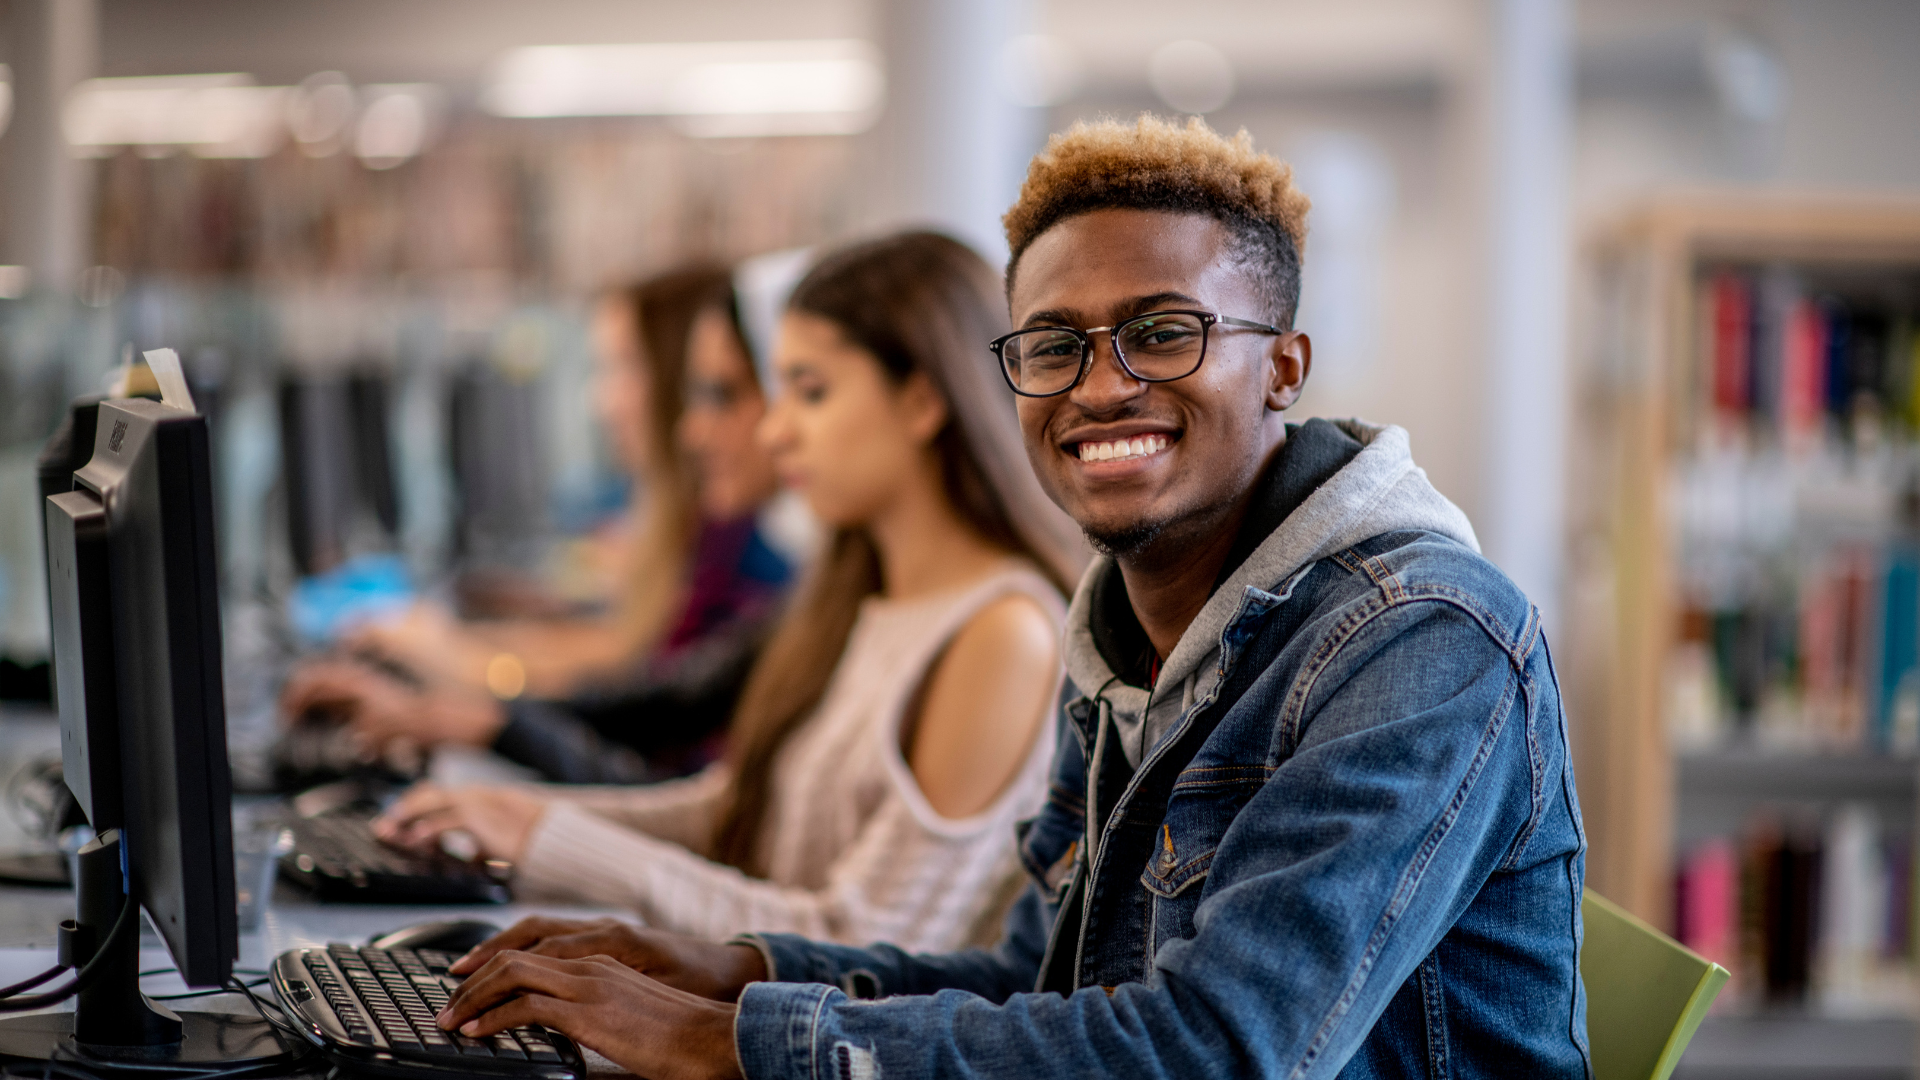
x,y
1275,44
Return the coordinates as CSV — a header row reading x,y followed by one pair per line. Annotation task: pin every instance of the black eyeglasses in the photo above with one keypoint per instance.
x,y
1160,346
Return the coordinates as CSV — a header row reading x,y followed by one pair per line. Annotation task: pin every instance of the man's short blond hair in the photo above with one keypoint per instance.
x,y
1156,164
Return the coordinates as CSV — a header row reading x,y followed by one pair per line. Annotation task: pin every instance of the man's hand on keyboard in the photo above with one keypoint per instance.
x,y
710,970
643,1025
500,819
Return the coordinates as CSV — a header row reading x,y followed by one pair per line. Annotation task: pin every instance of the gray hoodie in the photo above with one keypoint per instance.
x,y
1380,491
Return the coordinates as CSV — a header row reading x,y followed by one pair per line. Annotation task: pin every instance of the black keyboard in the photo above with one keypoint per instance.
x,y
373,1010
336,855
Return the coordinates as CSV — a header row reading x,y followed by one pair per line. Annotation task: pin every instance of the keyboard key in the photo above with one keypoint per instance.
x,y
505,1046
472,1047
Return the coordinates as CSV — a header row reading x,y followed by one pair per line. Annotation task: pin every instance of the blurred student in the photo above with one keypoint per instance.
x,y
893,731
704,580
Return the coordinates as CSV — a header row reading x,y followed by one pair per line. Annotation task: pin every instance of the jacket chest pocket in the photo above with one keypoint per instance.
x,y
1198,814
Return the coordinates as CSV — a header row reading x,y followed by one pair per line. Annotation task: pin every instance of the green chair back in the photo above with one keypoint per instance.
x,y
1646,993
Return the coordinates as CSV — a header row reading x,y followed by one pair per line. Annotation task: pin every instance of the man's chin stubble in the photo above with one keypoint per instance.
x,y
1125,542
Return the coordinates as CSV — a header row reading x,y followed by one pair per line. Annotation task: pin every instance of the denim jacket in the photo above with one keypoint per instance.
x,y
1350,846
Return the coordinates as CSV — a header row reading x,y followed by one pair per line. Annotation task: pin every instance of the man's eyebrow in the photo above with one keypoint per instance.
x,y
1125,309
1050,317
1155,300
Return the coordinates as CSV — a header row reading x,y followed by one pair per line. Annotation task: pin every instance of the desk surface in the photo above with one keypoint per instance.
x,y
293,920
29,917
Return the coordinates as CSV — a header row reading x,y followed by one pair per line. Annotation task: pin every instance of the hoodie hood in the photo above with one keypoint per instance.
x,y
1380,491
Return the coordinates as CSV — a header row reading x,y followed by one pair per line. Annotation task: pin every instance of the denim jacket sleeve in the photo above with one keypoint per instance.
x,y
1408,770
864,972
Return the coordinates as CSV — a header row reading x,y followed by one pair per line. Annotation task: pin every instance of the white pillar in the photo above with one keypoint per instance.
x,y
951,146
53,46
1523,506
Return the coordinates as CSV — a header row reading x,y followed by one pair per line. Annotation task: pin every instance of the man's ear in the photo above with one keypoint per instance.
x,y
1291,359
922,405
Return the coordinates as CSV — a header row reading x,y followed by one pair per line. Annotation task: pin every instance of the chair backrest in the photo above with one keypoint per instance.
x,y
1646,993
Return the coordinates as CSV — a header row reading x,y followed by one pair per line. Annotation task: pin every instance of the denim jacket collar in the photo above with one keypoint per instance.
x,y
1381,490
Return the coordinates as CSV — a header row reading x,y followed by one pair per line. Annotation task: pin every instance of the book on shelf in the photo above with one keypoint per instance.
x,y
1806,911
1797,509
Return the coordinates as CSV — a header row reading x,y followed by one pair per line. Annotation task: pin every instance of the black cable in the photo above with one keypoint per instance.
x,y
200,993
74,1062
285,1025
90,971
151,972
28,984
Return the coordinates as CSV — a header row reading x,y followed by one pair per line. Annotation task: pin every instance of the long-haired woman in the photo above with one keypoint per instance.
x,y
647,690
895,727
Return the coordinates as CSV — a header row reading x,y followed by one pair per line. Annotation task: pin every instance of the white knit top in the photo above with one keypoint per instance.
x,y
854,853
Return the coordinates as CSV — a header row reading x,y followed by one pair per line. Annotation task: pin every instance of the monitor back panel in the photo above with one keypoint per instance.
x,y
151,469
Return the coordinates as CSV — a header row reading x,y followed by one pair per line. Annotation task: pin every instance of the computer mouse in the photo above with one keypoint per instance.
x,y
447,935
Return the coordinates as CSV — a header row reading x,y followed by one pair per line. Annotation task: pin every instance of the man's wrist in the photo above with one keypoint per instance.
x,y
745,964
713,1044
750,969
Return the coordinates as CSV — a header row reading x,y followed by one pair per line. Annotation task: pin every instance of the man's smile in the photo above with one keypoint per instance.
x,y
1109,449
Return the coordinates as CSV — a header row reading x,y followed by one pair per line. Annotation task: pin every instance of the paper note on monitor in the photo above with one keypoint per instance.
x,y
173,382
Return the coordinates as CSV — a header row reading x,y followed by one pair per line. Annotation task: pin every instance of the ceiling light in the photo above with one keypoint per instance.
x,y
213,115
320,111
395,123
718,87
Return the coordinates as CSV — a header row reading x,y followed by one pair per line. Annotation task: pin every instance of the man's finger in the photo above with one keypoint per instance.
x,y
549,1012
590,942
508,975
527,932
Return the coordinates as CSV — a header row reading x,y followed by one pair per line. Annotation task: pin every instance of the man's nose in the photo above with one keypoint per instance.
x,y
1107,383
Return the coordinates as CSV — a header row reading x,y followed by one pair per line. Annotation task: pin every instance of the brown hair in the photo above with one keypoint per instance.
x,y
663,310
1155,164
917,302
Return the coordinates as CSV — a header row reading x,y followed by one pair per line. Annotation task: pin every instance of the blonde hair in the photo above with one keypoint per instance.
x,y
1155,164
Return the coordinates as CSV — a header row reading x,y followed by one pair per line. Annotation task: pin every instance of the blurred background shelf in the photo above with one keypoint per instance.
x,y
1780,774
1743,538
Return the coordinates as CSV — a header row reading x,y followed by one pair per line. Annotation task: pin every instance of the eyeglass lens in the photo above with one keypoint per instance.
x,y
1157,347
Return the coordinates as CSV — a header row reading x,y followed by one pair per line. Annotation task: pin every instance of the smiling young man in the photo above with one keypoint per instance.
x,y
1312,812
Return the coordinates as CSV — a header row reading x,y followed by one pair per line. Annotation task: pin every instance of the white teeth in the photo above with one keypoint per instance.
x,y
1118,449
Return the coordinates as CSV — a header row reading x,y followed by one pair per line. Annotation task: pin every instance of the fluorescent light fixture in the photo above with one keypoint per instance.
x,y
213,115
396,122
716,88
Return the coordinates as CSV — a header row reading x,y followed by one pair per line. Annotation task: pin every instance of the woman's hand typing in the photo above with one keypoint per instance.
x,y
500,819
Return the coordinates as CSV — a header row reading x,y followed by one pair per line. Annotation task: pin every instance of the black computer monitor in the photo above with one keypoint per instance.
x,y
133,591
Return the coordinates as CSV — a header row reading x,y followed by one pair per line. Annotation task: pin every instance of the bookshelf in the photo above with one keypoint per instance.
x,y
1741,646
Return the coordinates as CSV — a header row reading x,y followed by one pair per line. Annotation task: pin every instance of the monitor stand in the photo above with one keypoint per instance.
x,y
111,1019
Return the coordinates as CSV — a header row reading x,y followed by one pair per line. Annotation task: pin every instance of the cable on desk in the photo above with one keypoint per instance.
x,y
202,993
129,918
30,983
73,1062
